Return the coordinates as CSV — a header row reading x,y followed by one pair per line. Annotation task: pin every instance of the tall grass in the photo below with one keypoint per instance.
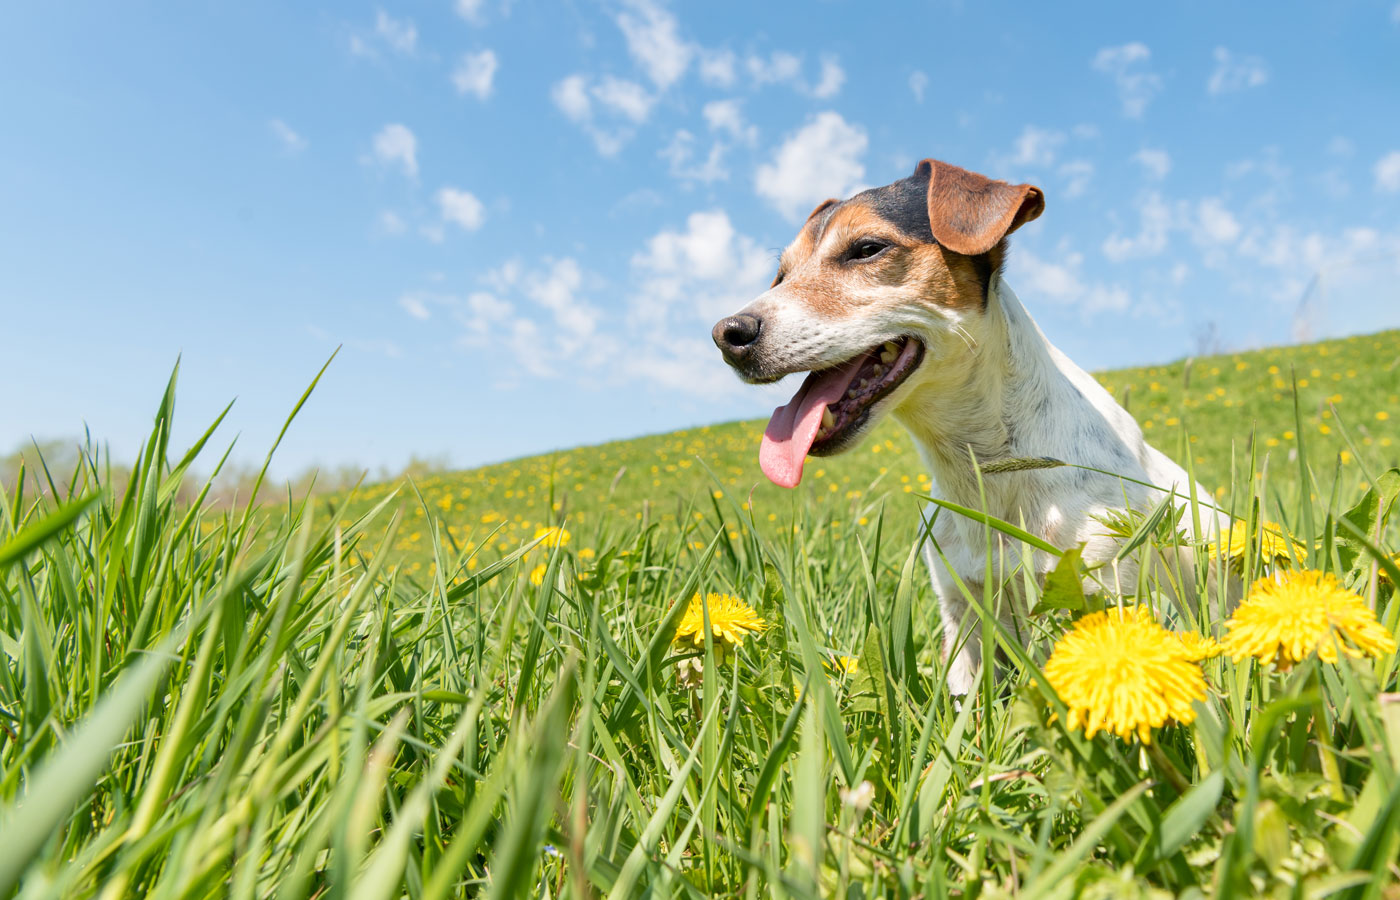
x,y
259,701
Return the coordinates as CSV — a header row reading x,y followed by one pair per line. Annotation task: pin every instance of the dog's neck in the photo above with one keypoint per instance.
x,y
998,370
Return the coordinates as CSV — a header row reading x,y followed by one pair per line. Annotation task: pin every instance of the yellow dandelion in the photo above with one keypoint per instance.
x,y
537,574
1271,540
844,665
731,620
1123,673
553,536
1286,619
1383,574
1197,646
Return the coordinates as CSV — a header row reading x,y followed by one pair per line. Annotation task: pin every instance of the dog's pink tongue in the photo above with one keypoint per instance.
x,y
793,428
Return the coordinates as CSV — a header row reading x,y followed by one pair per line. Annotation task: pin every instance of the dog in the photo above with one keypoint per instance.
x,y
893,300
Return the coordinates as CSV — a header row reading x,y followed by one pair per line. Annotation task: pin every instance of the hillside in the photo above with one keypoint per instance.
x,y
1349,403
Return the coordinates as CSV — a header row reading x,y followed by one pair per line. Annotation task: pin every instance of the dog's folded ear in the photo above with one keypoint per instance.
x,y
970,213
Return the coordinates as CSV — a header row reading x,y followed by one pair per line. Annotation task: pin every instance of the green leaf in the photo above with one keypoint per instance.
x,y
1064,585
36,534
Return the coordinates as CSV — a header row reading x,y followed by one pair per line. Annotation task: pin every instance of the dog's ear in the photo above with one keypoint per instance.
x,y
970,213
821,207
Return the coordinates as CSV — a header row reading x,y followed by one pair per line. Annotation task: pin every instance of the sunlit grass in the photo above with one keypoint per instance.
x,y
424,690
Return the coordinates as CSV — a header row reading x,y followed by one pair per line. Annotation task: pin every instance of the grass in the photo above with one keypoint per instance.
x,y
399,693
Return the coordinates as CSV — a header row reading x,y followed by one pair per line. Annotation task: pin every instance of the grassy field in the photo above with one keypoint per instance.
x,y
400,692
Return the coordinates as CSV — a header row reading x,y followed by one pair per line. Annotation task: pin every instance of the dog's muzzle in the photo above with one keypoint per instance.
x,y
737,336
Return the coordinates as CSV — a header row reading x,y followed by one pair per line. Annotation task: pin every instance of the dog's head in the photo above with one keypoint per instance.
x,y
872,290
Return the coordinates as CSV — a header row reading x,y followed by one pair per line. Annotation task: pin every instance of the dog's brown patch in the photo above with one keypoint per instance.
x,y
816,270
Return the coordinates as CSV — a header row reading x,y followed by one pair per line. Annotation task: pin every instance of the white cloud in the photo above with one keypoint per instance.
x,y
470,10
616,98
484,311
654,42
779,67
782,67
461,208
1156,163
1388,172
624,97
290,140
1077,174
571,96
685,279
1156,220
1216,223
918,83
396,145
1061,283
415,307
476,73
556,289
821,159
680,153
727,116
1036,146
1126,65
1236,73
400,35
1340,146
717,67
832,77
390,222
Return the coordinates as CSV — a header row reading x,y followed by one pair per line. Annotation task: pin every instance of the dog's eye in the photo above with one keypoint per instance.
x,y
778,279
865,249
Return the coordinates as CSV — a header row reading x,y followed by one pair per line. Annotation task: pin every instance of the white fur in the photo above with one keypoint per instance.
x,y
1013,395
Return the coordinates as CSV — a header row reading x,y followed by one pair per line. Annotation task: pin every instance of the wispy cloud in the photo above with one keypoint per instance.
x,y
1387,171
1236,73
1127,66
292,142
396,145
460,208
401,35
1155,162
476,74
823,158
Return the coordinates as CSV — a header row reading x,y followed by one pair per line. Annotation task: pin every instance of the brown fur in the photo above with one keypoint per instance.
x,y
813,265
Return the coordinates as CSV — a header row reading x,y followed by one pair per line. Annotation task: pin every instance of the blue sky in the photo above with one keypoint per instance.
x,y
520,219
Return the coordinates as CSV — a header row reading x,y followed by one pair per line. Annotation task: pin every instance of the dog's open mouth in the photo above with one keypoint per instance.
x,y
831,406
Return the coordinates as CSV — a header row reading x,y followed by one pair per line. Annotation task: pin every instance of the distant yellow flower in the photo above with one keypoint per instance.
x,y
1273,544
553,536
1197,646
1286,619
586,553
537,574
1123,673
845,665
731,620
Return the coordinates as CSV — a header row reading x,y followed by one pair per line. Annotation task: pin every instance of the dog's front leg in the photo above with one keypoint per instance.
x,y
962,641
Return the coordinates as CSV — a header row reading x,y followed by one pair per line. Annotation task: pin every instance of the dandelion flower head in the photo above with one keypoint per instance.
x,y
1121,672
731,620
1285,619
1197,646
1274,543
553,536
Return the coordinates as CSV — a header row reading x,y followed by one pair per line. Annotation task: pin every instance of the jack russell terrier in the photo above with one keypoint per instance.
x,y
893,301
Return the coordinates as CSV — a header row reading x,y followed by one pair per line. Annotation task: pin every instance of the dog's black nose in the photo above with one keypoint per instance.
x,y
736,334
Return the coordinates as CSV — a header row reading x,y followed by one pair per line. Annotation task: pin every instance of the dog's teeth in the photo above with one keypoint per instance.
x,y
888,355
864,383
828,420
879,370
